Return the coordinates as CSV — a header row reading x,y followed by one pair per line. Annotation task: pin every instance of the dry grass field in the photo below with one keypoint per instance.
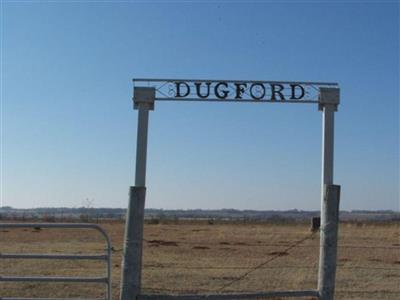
x,y
194,257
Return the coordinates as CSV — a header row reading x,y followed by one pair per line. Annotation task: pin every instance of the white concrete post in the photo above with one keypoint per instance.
x,y
328,102
141,145
133,245
328,144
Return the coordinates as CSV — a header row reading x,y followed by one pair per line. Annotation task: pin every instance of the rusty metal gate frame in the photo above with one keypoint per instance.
x,y
107,257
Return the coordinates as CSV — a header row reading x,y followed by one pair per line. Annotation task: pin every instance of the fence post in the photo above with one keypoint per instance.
x,y
132,257
328,242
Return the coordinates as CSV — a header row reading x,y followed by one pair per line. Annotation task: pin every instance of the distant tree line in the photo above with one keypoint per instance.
x,y
90,214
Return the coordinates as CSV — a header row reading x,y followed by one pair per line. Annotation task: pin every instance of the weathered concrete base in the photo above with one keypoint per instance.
x,y
132,256
328,242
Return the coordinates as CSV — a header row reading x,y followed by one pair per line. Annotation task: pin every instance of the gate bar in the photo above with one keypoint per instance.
x,y
9,298
53,279
233,296
52,256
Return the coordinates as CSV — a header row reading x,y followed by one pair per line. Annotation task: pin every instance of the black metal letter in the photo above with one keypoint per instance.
x,y
293,96
240,89
178,89
279,92
198,89
262,92
224,92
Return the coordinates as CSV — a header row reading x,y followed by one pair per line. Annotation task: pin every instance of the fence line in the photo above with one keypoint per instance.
x,y
243,244
310,236
340,291
265,267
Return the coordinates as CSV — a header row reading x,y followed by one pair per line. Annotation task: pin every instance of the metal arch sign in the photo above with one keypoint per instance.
x,y
234,90
146,91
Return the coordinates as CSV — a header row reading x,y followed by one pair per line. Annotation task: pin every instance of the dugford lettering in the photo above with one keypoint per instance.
x,y
239,90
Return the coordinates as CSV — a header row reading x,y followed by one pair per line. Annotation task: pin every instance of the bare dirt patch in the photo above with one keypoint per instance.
x,y
162,243
200,247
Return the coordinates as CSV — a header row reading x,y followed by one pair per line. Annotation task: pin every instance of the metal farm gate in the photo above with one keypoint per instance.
x,y
106,256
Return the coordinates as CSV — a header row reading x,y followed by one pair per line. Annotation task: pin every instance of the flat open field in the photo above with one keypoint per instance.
x,y
194,257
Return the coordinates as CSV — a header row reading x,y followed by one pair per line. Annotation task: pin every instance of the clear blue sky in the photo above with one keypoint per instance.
x,y
68,127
